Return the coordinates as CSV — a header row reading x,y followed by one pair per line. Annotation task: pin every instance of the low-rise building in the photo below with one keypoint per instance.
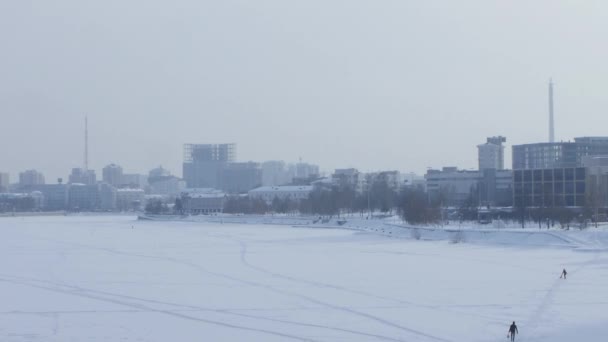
x,y
83,197
202,201
129,199
455,187
292,192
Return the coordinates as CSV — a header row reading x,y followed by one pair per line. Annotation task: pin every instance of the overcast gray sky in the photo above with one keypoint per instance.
x,y
372,84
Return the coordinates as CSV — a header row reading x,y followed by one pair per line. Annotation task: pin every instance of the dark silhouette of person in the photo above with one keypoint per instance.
x,y
563,274
512,331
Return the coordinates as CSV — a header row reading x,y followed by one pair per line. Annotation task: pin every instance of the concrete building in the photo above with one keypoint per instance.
x,y
558,154
134,180
241,177
30,177
456,187
391,178
597,182
269,193
274,172
112,174
107,197
19,202
169,186
82,176
351,177
491,155
55,196
4,182
305,170
203,201
129,199
204,163
161,182
551,187
83,197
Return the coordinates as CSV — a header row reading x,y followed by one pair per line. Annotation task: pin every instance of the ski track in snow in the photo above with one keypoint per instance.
x,y
185,307
548,299
145,308
266,287
538,318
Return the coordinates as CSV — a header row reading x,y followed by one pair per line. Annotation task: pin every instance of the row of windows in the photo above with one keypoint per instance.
x,y
558,187
538,201
568,174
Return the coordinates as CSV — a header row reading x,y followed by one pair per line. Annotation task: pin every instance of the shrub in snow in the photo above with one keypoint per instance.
x,y
457,236
415,233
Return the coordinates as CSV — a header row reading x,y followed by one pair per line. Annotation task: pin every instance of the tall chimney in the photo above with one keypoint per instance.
x,y
86,143
551,127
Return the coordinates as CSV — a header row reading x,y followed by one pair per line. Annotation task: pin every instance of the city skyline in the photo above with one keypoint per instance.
x,y
404,85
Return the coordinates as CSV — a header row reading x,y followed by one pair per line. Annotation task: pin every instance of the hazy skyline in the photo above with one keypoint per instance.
x,y
375,85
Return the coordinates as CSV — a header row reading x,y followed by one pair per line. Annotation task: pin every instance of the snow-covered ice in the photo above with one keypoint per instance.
x,y
105,278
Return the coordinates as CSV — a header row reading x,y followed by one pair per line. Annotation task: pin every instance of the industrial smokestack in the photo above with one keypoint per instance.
x,y
551,127
86,143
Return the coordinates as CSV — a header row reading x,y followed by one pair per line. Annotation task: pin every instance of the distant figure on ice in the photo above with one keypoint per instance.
x,y
512,331
563,274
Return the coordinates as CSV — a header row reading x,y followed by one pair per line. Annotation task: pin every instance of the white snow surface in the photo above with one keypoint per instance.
x,y
113,278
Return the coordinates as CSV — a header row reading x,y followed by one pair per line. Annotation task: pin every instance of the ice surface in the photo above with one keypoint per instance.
x,y
103,278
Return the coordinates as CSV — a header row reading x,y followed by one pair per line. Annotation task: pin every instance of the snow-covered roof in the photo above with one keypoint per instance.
x,y
203,193
284,188
129,190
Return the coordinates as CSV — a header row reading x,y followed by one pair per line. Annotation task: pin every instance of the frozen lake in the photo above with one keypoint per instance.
x,y
102,278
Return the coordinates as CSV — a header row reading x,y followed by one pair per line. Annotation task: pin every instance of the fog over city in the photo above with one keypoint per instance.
x,y
399,85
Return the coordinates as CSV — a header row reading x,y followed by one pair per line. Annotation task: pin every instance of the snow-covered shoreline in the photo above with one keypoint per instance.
x,y
591,238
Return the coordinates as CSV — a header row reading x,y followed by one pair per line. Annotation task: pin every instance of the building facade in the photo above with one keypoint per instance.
x,y
351,177
112,174
4,182
241,177
491,155
274,173
30,177
83,197
82,176
134,180
558,154
202,201
129,199
458,187
552,187
269,193
204,163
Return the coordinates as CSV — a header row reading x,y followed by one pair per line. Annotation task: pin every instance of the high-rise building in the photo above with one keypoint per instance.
x,y
558,154
134,180
274,173
112,174
241,177
4,181
82,176
204,164
30,177
491,154
161,182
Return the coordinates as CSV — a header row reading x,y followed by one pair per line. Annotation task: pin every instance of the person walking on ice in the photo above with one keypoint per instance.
x,y
512,331
563,274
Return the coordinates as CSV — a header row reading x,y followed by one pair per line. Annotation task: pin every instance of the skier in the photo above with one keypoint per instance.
x,y
512,331
563,274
